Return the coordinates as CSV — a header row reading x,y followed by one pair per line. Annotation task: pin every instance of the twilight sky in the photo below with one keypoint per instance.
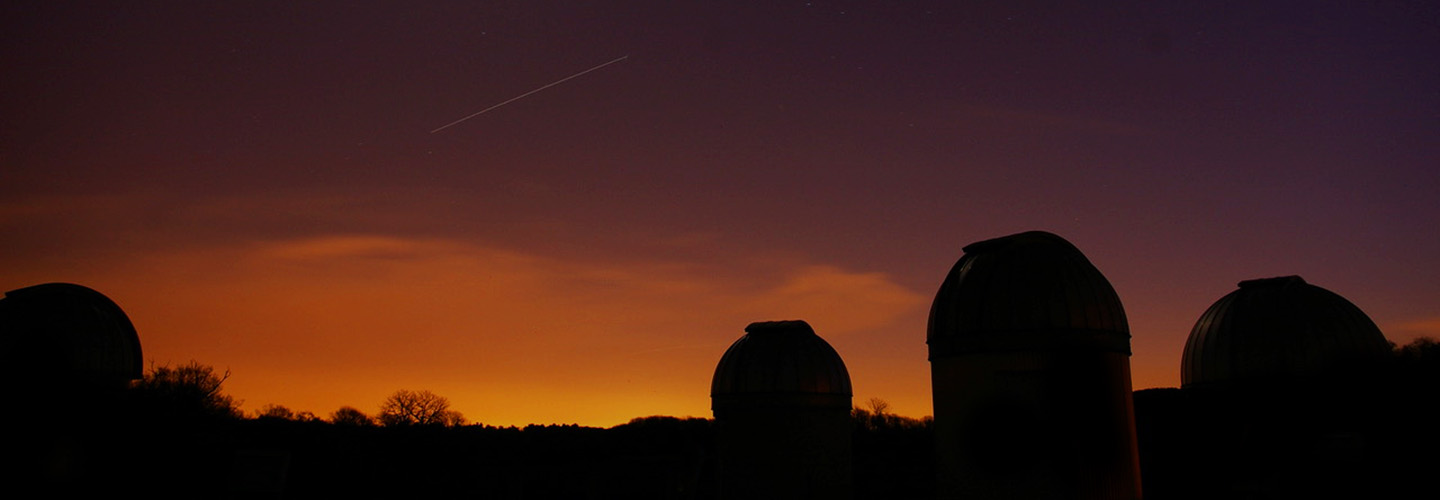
x,y
256,184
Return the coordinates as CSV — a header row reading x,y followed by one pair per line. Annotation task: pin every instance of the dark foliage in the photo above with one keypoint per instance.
x,y
349,415
191,390
276,412
1358,434
1359,437
651,457
894,455
406,407
1419,361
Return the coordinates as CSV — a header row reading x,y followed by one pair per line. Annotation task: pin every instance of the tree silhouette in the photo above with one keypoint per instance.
x,y
1420,357
878,416
452,418
875,417
349,415
879,406
189,390
276,412
406,407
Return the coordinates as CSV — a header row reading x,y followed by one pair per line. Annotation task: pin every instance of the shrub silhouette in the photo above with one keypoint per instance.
x,y
275,411
191,390
351,416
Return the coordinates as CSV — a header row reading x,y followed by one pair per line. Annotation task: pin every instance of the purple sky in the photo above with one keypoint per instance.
x,y
831,156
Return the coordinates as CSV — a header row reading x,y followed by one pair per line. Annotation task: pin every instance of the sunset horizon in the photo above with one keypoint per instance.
x,y
262,187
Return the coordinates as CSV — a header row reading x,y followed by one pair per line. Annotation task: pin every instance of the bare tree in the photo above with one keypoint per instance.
x,y
418,408
452,418
878,406
191,389
877,416
349,415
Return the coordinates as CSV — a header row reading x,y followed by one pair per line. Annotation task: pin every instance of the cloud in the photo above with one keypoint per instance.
x,y
318,299
355,247
334,319
838,300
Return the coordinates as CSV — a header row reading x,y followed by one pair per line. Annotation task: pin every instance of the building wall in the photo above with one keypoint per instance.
x,y
784,452
1035,424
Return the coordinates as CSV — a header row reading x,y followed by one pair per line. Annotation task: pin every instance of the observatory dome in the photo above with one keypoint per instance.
x,y
781,397
1279,328
71,331
780,358
1025,291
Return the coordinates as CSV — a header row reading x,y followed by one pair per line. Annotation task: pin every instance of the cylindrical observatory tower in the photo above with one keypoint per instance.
x,y
1030,368
781,397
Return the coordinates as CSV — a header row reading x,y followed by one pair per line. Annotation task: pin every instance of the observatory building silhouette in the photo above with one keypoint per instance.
x,y
1278,330
1283,394
77,337
69,354
781,397
1030,367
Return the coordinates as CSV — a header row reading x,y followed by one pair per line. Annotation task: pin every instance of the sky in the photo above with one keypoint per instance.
x,y
256,183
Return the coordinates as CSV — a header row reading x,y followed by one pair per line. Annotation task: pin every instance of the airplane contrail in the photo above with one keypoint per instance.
x,y
527,94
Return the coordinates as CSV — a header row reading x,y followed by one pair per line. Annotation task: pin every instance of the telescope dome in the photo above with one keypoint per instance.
x,y
1026,291
780,358
1279,328
74,333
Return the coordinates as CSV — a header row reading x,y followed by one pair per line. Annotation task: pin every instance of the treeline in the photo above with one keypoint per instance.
x,y
1355,434
651,457
195,391
175,434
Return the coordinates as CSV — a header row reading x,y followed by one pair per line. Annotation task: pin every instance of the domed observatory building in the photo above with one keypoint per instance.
x,y
781,397
60,335
1281,377
1279,330
1030,367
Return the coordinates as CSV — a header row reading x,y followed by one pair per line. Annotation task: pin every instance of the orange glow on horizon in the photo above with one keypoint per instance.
x,y
510,339
513,339
264,194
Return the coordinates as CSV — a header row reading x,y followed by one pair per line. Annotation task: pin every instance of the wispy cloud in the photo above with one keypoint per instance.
x,y
835,299
348,315
356,247
318,298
